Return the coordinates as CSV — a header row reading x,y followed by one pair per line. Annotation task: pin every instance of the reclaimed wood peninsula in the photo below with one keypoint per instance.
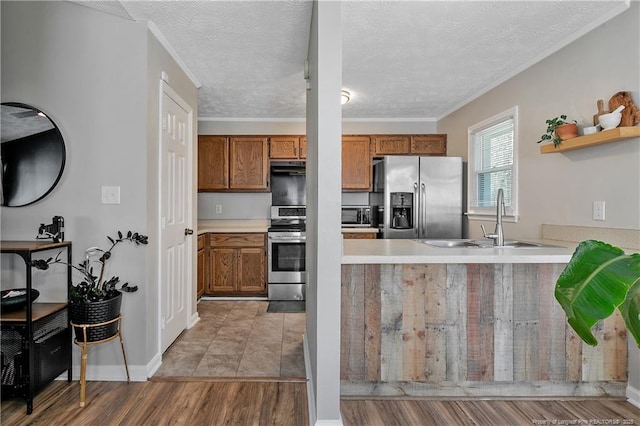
x,y
456,322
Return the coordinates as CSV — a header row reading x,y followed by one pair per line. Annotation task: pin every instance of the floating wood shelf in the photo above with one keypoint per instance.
x,y
606,136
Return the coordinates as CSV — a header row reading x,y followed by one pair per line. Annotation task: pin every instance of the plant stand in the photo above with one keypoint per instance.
x,y
84,345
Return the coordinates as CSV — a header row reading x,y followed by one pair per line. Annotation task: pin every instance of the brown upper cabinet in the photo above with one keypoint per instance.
x,y
213,163
408,145
429,144
241,163
390,145
287,147
249,163
232,163
356,163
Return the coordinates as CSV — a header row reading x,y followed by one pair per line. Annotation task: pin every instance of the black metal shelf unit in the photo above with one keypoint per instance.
x,y
36,341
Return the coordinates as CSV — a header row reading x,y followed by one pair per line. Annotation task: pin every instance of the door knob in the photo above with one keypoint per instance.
x,y
188,231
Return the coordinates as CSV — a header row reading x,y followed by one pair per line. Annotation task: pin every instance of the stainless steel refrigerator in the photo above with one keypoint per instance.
x,y
422,196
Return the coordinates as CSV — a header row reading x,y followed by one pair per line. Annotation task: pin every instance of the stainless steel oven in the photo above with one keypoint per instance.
x,y
286,253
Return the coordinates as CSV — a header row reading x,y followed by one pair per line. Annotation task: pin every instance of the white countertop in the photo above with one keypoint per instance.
x,y
230,225
408,251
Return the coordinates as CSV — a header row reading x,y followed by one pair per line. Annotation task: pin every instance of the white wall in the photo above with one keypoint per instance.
x,y
560,188
89,71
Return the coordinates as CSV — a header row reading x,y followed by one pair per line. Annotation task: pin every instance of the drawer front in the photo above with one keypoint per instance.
x,y
237,240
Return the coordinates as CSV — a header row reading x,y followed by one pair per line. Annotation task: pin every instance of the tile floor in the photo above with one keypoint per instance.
x,y
238,339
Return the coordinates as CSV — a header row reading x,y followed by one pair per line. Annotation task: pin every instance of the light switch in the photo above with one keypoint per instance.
x,y
110,195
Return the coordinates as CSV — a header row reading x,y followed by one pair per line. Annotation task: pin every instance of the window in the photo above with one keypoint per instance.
x,y
492,165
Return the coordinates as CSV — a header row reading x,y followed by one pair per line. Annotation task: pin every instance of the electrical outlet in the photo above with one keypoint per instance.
x,y
218,208
598,210
110,195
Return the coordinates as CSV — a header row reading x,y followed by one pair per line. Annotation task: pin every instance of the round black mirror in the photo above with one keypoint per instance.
x,y
32,155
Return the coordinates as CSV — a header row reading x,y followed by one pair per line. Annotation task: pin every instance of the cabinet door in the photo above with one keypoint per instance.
x,y
429,144
222,272
249,163
251,269
303,147
284,147
356,163
202,271
390,145
213,163
203,263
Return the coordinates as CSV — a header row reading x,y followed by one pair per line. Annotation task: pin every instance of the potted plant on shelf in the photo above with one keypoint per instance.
x,y
599,279
559,129
95,299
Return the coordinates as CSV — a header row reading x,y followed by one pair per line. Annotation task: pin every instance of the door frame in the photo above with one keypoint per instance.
x,y
165,88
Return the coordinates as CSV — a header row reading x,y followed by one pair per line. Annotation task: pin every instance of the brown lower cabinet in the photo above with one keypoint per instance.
x,y
237,264
203,273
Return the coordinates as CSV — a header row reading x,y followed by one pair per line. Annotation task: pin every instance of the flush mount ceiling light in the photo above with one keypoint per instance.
x,y
345,96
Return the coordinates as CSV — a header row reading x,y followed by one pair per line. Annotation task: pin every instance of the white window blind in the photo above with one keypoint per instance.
x,y
492,163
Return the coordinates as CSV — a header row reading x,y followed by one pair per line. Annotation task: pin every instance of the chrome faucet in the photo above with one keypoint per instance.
x,y
498,234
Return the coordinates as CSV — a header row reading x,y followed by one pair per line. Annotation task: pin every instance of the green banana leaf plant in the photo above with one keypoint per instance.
x,y
599,279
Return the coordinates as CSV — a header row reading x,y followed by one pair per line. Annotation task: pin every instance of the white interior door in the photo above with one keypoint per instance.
x,y
175,202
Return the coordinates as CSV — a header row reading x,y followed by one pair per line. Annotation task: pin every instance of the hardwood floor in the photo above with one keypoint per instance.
x,y
189,394
165,403
209,401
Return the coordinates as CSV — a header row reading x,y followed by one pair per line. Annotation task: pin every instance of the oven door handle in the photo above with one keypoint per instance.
x,y
299,239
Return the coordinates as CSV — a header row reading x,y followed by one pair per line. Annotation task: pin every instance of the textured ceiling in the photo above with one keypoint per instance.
x,y
401,59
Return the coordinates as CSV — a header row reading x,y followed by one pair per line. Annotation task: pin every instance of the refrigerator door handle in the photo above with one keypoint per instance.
x,y
423,211
416,217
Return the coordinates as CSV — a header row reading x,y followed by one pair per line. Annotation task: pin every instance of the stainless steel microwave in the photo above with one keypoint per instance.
x,y
357,216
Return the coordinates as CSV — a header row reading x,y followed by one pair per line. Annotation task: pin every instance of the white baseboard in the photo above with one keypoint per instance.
x,y
154,364
311,399
193,320
633,396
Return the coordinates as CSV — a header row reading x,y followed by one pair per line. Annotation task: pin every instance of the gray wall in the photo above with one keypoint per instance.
x,y
324,241
560,188
90,71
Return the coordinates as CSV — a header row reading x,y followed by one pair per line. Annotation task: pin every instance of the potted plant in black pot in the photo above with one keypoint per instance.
x,y
95,299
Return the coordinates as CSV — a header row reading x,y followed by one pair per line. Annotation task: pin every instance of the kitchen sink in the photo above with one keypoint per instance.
x,y
464,243
450,243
